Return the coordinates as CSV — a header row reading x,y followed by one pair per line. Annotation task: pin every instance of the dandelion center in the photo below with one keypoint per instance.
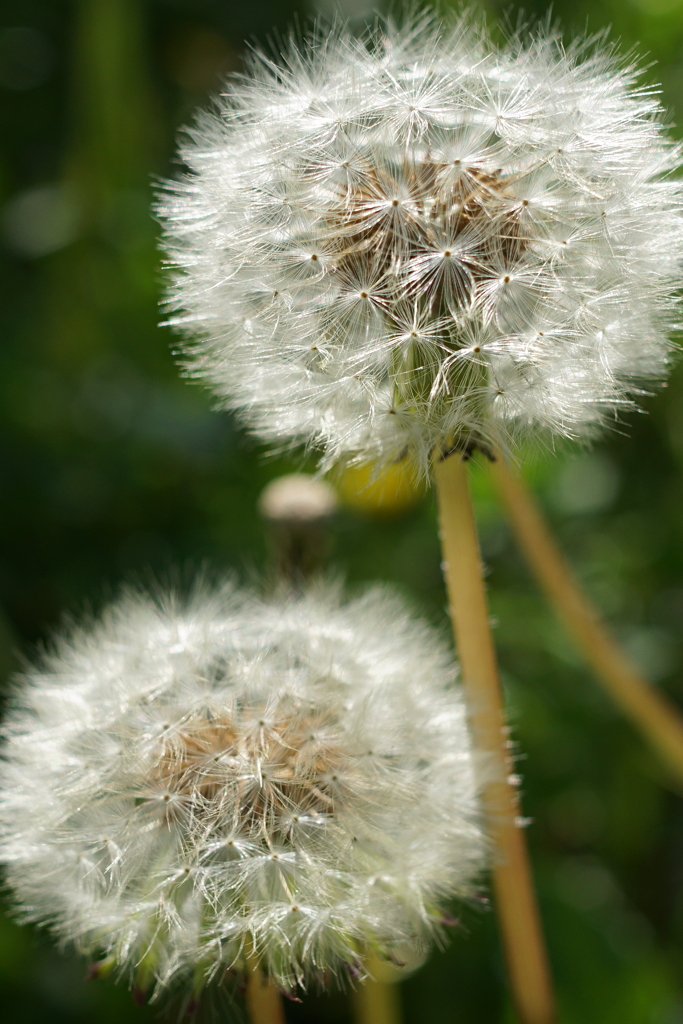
x,y
475,210
251,774
431,260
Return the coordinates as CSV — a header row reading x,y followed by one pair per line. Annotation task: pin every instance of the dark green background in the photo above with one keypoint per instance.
x,y
112,468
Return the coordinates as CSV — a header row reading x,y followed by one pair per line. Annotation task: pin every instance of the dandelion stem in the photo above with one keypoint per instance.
x,y
376,1001
264,1002
652,713
515,901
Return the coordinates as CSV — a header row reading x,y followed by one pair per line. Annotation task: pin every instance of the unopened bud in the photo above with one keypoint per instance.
x,y
297,498
298,508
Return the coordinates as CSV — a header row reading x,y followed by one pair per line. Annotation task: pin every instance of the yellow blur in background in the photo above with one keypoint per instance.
x,y
380,492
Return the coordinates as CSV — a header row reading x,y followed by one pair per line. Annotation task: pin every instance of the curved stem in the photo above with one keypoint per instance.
x,y
515,900
264,1002
650,711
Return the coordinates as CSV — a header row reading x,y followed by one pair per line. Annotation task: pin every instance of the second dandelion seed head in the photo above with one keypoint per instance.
x,y
192,787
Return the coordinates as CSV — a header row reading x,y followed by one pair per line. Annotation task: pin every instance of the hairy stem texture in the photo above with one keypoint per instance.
x,y
519,921
653,714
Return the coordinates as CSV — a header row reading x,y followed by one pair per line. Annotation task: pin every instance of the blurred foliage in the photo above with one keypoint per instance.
x,y
115,468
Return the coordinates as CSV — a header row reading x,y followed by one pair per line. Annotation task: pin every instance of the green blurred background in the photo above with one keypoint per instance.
x,y
113,468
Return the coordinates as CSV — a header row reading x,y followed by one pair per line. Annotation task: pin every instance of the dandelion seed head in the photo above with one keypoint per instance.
x,y
186,784
419,239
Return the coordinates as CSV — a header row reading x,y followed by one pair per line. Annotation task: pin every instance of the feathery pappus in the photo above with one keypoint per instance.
x,y
422,239
189,785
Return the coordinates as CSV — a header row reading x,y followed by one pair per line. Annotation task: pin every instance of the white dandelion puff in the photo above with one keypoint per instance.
x,y
515,203
189,784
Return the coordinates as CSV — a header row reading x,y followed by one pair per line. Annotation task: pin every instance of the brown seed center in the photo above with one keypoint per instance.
x,y
250,767
437,207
